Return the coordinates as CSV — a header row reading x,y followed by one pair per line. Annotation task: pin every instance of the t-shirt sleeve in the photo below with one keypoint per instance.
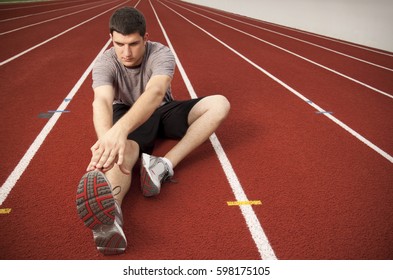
x,y
163,62
103,72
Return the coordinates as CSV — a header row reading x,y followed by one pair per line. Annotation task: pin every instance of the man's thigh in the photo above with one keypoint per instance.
x,y
174,119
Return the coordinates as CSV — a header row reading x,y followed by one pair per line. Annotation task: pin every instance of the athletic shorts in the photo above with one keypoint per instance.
x,y
168,121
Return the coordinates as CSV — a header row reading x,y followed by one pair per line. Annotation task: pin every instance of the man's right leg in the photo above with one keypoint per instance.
x,y
99,197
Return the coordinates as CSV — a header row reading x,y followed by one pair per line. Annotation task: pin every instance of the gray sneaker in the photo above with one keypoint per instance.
x,y
154,171
100,212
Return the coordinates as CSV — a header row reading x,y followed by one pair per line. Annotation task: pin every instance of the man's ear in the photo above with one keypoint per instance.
x,y
146,37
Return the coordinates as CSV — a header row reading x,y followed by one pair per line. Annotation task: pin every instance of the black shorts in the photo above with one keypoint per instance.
x,y
168,121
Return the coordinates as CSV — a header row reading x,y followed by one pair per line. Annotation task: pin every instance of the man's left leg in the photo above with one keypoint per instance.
x,y
203,119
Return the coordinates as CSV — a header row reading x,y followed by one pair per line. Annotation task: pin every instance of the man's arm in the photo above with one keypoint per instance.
x,y
111,144
102,109
102,115
145,105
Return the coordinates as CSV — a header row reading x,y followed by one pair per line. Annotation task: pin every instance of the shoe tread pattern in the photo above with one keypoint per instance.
x,y
94,200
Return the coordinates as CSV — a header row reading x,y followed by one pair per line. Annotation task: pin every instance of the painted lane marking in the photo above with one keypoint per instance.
x,y
59,111
45,115
261,241
324,112
5,211
247,202
50,113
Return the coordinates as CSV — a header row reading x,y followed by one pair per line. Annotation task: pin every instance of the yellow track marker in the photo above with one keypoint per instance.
x,y
248,202
5,211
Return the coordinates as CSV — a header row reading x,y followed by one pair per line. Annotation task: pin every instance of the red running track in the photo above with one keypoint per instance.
x,y
309,135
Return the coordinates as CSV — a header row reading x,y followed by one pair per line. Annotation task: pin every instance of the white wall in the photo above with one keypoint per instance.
x,y
366,22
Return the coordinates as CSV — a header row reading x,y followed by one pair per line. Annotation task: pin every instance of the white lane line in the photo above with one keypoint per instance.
x,y
55,18
287,36
31,1
265,250
30,153
329,39
295,54
58,35
298,94
46,12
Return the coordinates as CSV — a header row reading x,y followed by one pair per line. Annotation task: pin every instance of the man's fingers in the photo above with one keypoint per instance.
x,y
95,147
96,155
107,151
120,156
107,168
104,159
107,157
110,159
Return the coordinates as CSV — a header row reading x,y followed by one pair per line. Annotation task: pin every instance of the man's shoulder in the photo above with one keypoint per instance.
x,y
107,56
157,47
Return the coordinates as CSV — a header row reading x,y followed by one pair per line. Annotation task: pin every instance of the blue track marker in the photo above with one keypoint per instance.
x,y
324,112
49,114
59,111
45,115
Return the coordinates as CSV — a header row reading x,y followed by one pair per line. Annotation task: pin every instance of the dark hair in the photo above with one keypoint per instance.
x,y
126,21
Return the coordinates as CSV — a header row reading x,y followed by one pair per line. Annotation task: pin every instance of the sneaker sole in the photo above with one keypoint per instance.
x,y
96,208
147,185
110,240
94,200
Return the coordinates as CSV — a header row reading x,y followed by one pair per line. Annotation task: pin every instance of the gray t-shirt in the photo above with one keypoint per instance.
x,y
130,83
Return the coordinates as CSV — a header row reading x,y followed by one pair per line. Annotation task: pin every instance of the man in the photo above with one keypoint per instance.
x,y
133,105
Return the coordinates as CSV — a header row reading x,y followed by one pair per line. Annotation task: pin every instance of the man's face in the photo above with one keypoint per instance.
x,y
129,48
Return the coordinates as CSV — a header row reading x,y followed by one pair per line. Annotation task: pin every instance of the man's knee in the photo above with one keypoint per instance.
x,y
224,104
220,105
131,152
216,106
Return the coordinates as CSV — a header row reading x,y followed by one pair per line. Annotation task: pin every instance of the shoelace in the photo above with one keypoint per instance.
x,y
165,177
168,179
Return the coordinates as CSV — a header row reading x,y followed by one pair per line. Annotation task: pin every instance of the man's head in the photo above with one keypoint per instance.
x,y
126,21
128,31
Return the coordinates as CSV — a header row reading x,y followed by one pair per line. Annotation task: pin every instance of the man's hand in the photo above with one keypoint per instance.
x,y
108,150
